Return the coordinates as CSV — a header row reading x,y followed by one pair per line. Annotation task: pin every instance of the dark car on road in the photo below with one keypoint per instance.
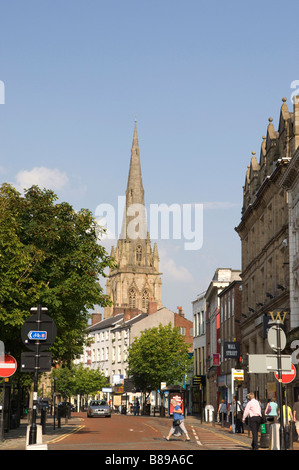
x,y
98,408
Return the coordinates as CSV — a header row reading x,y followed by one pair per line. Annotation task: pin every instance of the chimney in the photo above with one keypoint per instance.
x,y
96,318
181,311
130,313
152,307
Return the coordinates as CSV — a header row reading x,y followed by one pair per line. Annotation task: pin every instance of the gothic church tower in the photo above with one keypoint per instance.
x,y
136,280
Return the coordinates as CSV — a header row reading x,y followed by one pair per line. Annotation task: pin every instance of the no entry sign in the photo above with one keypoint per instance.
x,y
288,377
8,365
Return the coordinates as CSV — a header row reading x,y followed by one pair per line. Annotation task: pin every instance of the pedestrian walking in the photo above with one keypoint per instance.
x,y
178,421
137,407
271,410
222,411
287,414
238,414
296,416
236,411
254,413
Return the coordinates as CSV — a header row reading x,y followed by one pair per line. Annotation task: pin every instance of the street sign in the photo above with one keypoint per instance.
x,y
231,350
28,362
8,366
273,332
34,326
238,374
199,380
264,363
287,378
37,335
216,359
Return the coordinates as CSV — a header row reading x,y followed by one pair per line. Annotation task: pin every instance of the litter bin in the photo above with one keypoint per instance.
x,y
265,435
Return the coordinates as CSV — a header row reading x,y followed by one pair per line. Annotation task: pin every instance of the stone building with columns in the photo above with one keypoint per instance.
x,y
290,182
264,234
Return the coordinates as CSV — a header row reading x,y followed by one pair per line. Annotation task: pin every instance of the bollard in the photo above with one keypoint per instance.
x,y
58,417
288,437
43,419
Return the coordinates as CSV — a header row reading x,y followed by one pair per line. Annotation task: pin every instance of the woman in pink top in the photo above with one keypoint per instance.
x,y
254,413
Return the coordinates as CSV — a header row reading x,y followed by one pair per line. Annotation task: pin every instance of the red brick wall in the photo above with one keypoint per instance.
x,y
182,322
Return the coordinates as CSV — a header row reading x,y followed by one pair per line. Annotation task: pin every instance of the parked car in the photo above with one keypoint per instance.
x,y
98,408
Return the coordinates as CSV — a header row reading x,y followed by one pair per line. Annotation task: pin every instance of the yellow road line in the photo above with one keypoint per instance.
x,y
59,438
156,430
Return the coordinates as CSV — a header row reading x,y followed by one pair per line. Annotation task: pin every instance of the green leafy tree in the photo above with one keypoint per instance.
x,y
158,355
64,378
88,381
49,255
78,380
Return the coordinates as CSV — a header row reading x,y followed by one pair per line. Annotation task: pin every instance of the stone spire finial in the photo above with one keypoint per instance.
x,y
135,136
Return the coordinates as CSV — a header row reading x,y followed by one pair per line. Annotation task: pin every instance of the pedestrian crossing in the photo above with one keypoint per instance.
x,y
211,440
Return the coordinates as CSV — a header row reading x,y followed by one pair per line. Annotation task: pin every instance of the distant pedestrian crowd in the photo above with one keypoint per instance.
x,y
253,413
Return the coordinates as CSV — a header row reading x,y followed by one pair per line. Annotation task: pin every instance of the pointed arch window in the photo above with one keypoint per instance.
x,y
145,299
132,298
138,254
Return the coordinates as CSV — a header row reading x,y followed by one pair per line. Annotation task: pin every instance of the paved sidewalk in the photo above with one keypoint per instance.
x,y
15,439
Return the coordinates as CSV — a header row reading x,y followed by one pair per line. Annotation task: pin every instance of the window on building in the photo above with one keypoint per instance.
x,y
132,298
203,322
138,254
145,299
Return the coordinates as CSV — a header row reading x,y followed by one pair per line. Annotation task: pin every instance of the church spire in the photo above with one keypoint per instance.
x,y
135,191
135,136
136,279
135,217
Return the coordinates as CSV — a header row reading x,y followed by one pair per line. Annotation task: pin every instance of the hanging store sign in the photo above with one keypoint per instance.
x,y
216,359
231,350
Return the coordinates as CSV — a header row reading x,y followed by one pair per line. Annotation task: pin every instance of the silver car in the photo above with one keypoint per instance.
x,y
98,408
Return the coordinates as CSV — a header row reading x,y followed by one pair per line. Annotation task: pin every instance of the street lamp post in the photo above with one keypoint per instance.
x,y
279,371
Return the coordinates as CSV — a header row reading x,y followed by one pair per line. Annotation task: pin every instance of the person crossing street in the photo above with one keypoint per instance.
x,y
178,421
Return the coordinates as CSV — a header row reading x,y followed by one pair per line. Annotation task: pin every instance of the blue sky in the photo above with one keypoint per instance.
x,y
202,79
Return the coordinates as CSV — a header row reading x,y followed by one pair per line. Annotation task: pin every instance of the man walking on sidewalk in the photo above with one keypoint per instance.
x,y
254,413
